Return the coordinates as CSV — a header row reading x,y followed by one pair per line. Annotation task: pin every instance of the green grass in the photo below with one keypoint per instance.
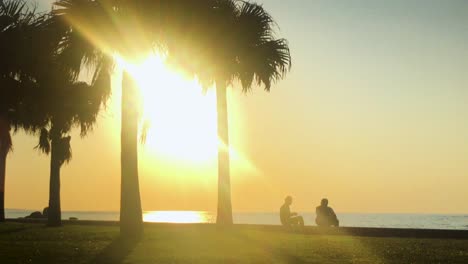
x,y
34,243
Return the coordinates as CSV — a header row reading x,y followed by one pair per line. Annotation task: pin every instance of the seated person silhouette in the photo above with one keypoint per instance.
x,y
287,218
325,215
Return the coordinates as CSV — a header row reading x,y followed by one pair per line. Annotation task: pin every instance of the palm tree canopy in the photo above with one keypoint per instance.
x,y
255,55
39,90
225,39
87,31
238,43
178,28
230,39
19,26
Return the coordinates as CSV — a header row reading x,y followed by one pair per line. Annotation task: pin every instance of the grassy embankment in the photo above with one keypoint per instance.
x,y
34,243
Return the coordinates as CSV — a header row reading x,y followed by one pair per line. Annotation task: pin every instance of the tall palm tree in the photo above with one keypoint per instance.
x,y
48,100
229,40
18,24
247,51
76,105
5,147
130,29
97,30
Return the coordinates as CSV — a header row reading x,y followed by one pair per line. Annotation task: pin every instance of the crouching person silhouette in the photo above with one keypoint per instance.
x,y
325,215
287,218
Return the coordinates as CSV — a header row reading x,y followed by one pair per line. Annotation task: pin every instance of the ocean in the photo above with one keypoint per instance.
x,y
421,221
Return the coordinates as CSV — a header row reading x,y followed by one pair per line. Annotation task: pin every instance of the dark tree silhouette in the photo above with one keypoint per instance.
x,y
98,30
5,147
242,47
58,101
18,24
221,41
131,29
73,104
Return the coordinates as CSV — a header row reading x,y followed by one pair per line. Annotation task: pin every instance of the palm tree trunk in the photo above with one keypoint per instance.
x,y
5,147
131,221
3,156
224,215
54,217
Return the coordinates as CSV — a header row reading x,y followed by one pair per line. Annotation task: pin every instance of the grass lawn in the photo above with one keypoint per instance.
x,y
34,243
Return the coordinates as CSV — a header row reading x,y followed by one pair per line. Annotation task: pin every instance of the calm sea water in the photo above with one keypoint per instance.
x,y
424,221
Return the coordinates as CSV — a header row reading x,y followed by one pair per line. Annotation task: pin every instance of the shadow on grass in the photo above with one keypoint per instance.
x,y
13,230
116,251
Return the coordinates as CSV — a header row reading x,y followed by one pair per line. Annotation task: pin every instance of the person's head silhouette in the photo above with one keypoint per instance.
x,y
288,200
324,202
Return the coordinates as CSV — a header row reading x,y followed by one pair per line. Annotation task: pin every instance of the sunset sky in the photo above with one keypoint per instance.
x,y
373,116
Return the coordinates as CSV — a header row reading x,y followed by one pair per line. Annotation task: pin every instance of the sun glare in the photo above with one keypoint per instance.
x,y
182,118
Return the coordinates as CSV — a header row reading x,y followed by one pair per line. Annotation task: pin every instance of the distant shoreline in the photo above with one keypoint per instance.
x,y
403,221
242,212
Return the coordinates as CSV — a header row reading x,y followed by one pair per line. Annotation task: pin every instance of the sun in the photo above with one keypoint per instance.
x,y
182,117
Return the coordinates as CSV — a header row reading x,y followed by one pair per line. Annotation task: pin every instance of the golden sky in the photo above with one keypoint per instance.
x,y
373,116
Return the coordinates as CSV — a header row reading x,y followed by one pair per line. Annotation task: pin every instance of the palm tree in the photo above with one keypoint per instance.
x,y
130,29
98,30
43,95
228,40
18,24
251,54
76,105
5,147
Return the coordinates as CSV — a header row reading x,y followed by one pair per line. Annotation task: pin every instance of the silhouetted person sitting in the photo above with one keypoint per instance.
x,y
325,215
287,218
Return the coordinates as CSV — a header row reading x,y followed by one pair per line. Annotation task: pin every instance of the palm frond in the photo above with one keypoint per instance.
x,y
64,151
101,81
254,23
44,141
273,62
13,9
6,143
259,56
89,31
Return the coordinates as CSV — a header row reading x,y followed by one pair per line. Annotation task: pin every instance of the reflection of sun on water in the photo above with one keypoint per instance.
x,y
176,217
